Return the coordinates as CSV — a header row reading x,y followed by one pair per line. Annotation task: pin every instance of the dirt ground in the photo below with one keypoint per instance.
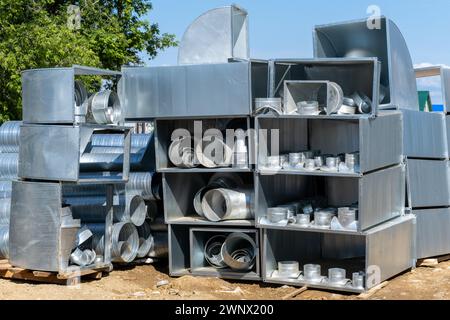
x,y
140,282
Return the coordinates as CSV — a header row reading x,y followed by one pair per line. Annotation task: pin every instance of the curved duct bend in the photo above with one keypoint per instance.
x,y
215,37
353,39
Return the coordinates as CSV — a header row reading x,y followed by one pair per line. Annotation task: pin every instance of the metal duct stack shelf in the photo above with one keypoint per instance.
x,y
55,153
188,231
378,189
426,141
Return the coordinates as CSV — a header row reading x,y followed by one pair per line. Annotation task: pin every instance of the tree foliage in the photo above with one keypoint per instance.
x,y
37,34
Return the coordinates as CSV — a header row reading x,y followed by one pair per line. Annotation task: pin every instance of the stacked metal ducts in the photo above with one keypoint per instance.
x,y
9,162
133,202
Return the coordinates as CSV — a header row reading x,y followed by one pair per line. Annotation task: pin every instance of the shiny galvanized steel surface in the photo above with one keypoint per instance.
x,y
188,91
215,37
9,165
10,136
425,135
433,236
43,233
354,39
428,183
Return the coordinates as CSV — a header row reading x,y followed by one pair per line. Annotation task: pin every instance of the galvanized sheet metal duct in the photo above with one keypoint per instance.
x,y
138,141
4,241
160,249
239,251
10,137
9,165
224,204
5,209
145,240
125,241
93,209
145,184
108,161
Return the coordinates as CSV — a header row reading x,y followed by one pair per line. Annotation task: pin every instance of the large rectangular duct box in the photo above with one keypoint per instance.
x,y
424,135
381,253
428,183
380,195
433,232
352,75
378,140
361,38
43,232
49,94
204,90
62,153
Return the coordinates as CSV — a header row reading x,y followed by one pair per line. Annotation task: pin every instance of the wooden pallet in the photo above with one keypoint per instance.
x,y
69,278
431,263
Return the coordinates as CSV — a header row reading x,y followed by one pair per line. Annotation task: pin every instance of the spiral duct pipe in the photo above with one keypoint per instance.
x,y
9,165
10,137
125,241
5,209
107,161
160,249
138,141
93,209
145,240
4,241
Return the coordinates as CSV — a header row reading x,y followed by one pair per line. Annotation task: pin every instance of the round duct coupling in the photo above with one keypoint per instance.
x,y
105,107
10,136
212,252
239,251
224,204
335,98
125,242
145,240
213,152
137,210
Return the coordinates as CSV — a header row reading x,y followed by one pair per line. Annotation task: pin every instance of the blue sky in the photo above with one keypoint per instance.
x,y
283,28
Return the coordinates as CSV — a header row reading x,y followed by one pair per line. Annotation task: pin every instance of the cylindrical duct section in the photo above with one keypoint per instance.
x,y
224,204
10,137
158,225
117,140
4,241
160,249
91,162
5,209
145,240
239,251
147,184
117,150
93,209
9,165
125,241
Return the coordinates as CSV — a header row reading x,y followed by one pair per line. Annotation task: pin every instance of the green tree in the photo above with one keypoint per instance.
x,y
39,34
